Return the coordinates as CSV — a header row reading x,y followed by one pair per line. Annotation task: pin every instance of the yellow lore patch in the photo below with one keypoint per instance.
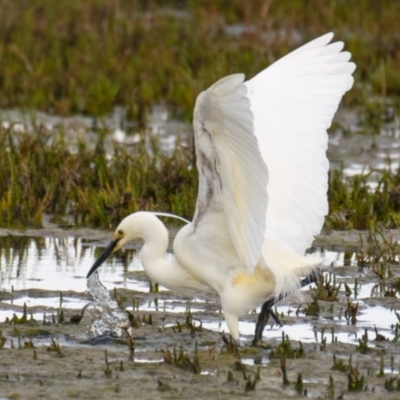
x,y
242,278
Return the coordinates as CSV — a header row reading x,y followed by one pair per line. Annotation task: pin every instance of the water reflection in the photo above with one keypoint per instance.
x,y
61,264
354,152
160,128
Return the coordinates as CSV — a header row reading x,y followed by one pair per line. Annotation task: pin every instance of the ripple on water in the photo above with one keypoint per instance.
x,y
48,302
60,264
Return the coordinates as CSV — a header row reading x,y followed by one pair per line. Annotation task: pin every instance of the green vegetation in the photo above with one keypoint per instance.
x,y
353,205
182,360
40,176
89,56
88,186
285,350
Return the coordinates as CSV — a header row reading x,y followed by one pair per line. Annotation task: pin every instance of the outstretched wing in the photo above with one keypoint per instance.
x,y
232,174
279,122
293,103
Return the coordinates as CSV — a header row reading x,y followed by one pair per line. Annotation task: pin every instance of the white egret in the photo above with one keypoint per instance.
x,y
263,181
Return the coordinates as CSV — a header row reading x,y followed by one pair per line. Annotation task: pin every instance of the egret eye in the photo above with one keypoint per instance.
x,y
120,233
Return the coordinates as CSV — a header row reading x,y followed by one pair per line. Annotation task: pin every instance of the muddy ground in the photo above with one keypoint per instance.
x,y
55,360
38,370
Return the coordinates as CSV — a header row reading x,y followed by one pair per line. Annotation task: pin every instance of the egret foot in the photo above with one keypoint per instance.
x,y
76,319
262,344
266,309
263,318
231,344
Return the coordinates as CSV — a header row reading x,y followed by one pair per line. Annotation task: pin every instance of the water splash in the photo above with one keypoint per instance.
x,y
108,318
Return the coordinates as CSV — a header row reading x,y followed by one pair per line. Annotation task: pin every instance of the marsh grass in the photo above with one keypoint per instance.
x,y
90,187
86,57
355,205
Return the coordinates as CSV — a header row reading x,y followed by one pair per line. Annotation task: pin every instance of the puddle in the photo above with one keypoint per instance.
x,y
49,302
161,128
169,306
260,361
61,264
355,152
208,372
147,360
35,270
390,371
4,314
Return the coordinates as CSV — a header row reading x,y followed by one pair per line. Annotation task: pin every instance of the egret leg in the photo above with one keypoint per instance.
x,y
232,321
266,309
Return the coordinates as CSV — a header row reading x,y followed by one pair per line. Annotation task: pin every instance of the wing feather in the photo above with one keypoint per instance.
x,y
293,103
277,120
232,173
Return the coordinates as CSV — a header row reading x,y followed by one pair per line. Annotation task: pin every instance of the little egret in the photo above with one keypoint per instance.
x,y
263,181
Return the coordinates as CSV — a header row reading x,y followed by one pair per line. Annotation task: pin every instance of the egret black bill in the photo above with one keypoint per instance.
x,y
109,249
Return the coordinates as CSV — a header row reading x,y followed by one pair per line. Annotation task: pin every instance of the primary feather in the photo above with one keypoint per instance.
x,y
232,173
293,103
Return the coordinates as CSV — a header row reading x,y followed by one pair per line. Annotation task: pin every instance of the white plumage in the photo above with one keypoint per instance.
x,y
263,180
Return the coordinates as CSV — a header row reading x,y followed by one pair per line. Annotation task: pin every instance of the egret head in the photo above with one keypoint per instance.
x,y
131,228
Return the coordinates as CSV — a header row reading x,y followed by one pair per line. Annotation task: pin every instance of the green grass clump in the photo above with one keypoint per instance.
x,y
39,175
354,205
183,360
88,56
85,185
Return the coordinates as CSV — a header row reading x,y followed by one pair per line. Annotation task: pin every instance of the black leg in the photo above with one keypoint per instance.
x,y
312,278
266,309
263,318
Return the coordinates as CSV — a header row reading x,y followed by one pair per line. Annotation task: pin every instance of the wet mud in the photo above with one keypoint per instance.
x,y
347,346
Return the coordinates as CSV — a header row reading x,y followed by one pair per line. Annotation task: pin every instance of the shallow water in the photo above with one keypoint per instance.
x,y
34,270
355,152
161,130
